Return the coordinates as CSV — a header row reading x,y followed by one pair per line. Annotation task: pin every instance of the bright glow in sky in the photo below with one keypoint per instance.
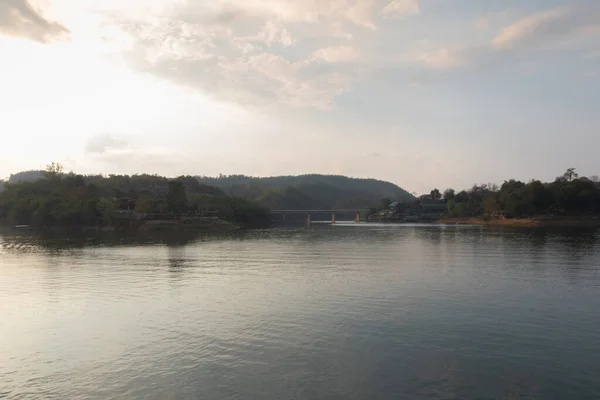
x,y
424,93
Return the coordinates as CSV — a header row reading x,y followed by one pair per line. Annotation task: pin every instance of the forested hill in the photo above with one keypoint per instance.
x,y
309,191
70,200
279,192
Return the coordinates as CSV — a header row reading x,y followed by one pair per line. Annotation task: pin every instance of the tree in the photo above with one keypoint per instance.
x,y
449,194
490,203
462,197
459,210
176,197
435,195
385,203
105,208
53,171
144,205
569,175
450,204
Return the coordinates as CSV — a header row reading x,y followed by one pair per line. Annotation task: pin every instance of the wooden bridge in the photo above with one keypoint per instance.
x,y
319,216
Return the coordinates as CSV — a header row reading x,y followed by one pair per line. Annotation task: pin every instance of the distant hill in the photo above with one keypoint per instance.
x,y
1,185
278,192
309,191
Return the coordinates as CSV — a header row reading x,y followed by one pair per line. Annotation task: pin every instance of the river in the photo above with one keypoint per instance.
x,y
333,312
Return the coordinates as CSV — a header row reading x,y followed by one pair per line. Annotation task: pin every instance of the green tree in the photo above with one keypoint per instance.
x,y
53,171
105,208
490,203
435,195
449,194
144,205
460,210
384,203
569,175
450,204
176,197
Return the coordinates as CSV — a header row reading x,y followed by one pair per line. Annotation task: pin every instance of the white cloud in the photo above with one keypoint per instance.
x,y
337,54
255,53
400,8
272,33
104,143
20,18
441,59
557,28
528,28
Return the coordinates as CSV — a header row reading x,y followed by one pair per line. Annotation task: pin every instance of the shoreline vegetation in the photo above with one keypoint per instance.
x,y
55,201
568,201
58,201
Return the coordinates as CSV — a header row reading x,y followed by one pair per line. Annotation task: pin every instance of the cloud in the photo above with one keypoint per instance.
x,y
358,12
271,34
441,58
306,53
551,27
400,8
19,18
547,29
531,28
337,54
257,53
103,143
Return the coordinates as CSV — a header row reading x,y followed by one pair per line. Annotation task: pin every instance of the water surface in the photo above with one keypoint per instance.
x,y
353,312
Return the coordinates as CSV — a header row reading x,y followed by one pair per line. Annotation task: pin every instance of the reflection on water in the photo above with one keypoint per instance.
x,y
356,311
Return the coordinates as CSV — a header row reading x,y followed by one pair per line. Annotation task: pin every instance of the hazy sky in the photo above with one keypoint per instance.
x,y
424,93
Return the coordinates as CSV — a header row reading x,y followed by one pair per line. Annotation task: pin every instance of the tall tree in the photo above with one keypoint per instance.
x,y
569,175
449,194
435,195
53,171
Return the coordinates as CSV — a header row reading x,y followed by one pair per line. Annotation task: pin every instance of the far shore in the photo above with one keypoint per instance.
x,y
566,222
133,226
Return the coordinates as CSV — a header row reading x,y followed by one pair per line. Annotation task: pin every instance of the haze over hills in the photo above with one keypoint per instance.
x,y
312,191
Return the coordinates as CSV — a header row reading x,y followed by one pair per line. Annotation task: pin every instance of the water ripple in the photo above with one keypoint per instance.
x,y
353,312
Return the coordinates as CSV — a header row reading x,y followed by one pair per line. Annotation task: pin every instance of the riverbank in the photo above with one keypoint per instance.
x,y
199,225
566,222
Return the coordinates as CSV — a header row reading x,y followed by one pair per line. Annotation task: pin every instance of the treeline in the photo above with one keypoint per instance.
x,y
568,195
68,199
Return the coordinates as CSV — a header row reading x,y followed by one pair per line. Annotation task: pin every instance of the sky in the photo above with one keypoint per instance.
x,y
422,93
